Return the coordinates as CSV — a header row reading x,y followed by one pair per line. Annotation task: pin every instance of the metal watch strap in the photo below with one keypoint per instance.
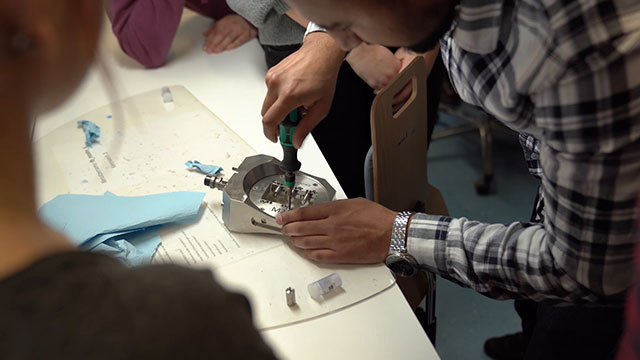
x,y
313,27
399,233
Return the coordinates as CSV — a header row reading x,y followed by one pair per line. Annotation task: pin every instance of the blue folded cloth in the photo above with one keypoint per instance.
x,y
133,249
119,223
203,168
91,132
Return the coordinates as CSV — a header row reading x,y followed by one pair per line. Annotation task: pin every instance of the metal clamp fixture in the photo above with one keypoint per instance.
x,y
256,193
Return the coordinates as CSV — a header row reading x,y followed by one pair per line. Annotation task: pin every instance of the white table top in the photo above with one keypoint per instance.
x,y
232,86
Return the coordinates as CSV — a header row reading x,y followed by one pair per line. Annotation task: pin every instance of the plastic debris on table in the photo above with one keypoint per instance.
x,y
91,132
203,168
167,96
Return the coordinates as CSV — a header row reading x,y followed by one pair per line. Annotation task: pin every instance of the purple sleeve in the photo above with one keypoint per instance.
x,y
145,28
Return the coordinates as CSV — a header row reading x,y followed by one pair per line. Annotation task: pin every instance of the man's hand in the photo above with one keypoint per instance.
x,y
406,56
227,33
342,231
374,64
306,78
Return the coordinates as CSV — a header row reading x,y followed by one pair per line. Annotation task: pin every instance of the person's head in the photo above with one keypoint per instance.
x,y
45,49
416,24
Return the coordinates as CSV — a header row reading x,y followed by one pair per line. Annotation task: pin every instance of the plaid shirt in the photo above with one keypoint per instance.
x,y
567,73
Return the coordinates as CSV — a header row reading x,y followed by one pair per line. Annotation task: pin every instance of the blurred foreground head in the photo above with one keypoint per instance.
x,y
46,48
416,24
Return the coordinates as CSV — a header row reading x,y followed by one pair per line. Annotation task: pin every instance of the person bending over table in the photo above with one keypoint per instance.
x,y
367,69
565,75
55,301
145,28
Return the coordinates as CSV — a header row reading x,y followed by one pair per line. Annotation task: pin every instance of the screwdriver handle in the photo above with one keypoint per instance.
x,y
289,163
288,127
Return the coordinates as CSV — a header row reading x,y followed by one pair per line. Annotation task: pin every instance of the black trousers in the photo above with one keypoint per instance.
x,y
569,331
344,136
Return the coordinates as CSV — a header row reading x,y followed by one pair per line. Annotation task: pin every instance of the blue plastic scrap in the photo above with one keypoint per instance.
x,y
91,132
203,168
122,226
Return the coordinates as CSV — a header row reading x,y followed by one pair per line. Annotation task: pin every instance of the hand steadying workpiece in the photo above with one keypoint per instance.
x,y
342,231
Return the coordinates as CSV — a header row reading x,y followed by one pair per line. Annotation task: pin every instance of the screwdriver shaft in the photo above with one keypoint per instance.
x,y
290,196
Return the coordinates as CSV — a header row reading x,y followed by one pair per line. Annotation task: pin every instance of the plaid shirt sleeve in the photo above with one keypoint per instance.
x,y
585,110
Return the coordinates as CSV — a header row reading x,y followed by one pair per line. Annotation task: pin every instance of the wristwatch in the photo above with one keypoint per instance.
x,y
313,27
398,259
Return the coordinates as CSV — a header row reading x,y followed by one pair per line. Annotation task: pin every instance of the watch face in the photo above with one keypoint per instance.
x,y
402,264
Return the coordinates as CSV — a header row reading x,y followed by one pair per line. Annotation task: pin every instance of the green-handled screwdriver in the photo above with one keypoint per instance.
x,y
289,164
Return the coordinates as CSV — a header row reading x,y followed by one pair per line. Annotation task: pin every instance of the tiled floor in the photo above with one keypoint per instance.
x,y
465,318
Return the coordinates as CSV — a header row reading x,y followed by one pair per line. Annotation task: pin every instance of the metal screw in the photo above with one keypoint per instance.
x,y
291,296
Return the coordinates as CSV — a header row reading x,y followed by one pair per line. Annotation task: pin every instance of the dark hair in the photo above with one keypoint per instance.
x,y
431,40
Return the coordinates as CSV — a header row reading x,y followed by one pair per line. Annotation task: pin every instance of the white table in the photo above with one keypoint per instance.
x,y
232,86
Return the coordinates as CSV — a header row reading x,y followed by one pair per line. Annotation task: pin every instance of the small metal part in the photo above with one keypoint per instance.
x,y
215,182
307,197
291,296
276,188
266,228
289,198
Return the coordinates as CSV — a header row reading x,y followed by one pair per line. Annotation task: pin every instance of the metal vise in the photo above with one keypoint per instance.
x,y
254,195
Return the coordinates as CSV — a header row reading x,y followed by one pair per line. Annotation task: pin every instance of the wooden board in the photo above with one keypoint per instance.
x,y
400,141
400,144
